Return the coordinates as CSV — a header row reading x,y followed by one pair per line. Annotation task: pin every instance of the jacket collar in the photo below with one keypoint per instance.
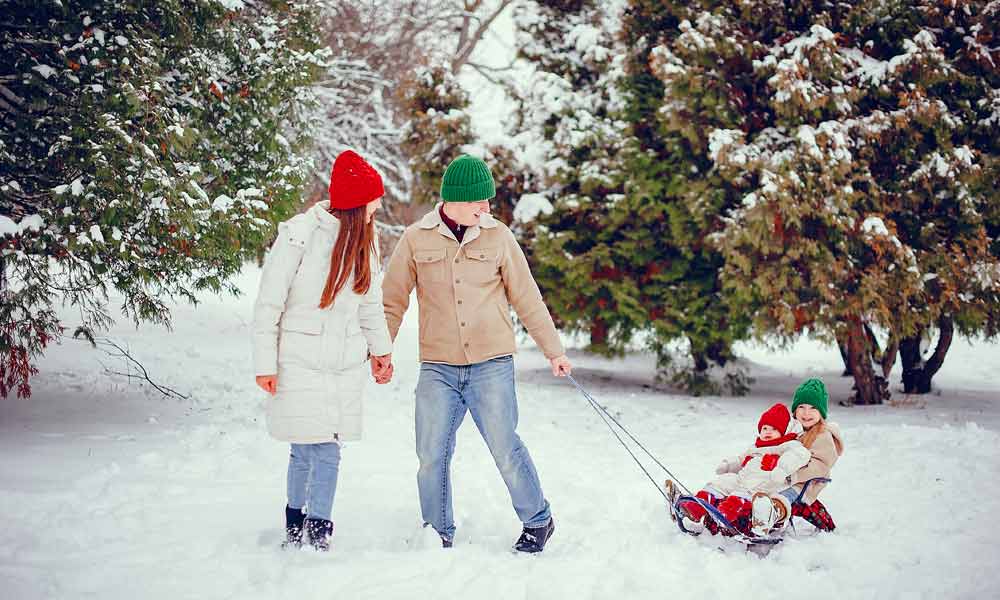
x,y
432,220
321,213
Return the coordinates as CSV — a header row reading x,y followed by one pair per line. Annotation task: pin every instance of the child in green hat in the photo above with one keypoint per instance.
x,y
824,442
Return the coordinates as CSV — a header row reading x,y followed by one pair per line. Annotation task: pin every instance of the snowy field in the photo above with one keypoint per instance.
x,y
108,490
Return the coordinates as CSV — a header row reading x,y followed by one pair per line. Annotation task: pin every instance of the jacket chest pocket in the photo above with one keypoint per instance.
x,y
481,265
301,341
430,265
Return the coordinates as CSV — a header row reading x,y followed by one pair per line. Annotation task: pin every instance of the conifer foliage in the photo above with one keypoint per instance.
x,y
146,148
623,255
861,141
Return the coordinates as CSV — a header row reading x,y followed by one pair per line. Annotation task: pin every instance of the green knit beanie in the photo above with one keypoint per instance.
x,y
813,393
467,179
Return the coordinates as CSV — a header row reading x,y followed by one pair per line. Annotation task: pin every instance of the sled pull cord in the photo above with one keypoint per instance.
x,y
605,416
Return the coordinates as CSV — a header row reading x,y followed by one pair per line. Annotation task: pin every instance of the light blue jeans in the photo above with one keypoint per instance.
x,y
486,389
312,478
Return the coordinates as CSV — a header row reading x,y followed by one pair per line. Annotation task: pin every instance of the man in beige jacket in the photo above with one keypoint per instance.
x,y
468,270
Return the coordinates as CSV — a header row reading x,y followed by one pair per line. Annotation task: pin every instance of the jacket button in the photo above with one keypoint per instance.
x,y
459,301
466,344
463,323
458,281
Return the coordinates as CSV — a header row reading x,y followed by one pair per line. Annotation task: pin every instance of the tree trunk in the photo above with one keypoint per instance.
x,y
598,333
842,344
889,356
869,388
873,347
719,353
700,361
917,374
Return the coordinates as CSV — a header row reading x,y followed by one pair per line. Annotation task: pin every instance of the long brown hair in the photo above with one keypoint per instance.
x,y
351,252
809,437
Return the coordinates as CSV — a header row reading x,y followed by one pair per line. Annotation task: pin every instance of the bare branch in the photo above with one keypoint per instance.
x,y
140,374
464,52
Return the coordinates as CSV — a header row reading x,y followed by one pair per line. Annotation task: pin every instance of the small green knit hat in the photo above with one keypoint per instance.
x,y
813,393
467,179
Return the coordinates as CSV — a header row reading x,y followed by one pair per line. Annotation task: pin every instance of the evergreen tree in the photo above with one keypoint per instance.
x,y
681,198
438,129
860,143
145,148
623,253
569,134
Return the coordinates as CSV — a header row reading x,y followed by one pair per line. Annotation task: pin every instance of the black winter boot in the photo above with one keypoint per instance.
x,y
533,539
294,518
320,532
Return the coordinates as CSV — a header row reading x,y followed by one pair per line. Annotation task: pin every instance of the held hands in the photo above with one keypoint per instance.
x,y
561,366
268,383
382,368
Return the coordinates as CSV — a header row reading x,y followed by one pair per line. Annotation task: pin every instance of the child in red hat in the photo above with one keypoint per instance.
x,y
754,477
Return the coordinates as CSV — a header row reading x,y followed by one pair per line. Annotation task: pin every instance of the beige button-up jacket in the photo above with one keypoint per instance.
x,y
465,291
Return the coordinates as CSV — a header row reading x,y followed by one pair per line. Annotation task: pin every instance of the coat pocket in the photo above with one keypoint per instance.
x,y
482,266
430,265
355,350
300,341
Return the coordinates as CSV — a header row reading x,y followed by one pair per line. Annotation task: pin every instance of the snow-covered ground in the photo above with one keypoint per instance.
x,y
108,490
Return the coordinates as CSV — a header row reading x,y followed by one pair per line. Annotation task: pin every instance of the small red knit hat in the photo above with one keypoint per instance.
x,y
777,416
353,182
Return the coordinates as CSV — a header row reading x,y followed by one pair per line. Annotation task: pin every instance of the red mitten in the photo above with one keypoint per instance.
x,y
769,462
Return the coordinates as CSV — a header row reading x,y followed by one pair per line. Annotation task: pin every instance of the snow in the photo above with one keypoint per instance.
x,y
721,139
28,223
875,226
530,206
106,482
44,70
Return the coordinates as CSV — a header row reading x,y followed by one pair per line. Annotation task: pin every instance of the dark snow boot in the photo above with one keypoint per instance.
x,y
294,518
320,531
533,539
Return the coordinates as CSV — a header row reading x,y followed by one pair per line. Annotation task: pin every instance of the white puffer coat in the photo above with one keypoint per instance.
x,y
319,355
761,469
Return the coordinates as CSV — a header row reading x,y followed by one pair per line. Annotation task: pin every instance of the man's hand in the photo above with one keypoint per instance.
x,y
382,368
561,366
268,383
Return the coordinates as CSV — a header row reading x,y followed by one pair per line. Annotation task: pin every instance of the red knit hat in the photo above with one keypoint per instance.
x,y
353,182
777,416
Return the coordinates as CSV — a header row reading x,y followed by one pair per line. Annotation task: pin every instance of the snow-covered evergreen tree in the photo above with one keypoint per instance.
x,y
622,252
438,128
145,149
860,142
569,134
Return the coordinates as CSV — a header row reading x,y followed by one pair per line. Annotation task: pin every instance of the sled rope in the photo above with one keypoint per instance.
x,y
608,419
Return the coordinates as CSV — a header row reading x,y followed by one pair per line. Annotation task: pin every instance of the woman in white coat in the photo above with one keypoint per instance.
x,y
317,318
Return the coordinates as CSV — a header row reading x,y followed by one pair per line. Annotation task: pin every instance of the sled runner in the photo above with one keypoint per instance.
x,y
717,523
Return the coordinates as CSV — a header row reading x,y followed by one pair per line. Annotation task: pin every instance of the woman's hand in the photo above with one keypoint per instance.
x,y
268,383
382,368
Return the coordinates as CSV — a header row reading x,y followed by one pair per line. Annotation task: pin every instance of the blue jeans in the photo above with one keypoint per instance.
x,y
486,389
312,478
792,494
